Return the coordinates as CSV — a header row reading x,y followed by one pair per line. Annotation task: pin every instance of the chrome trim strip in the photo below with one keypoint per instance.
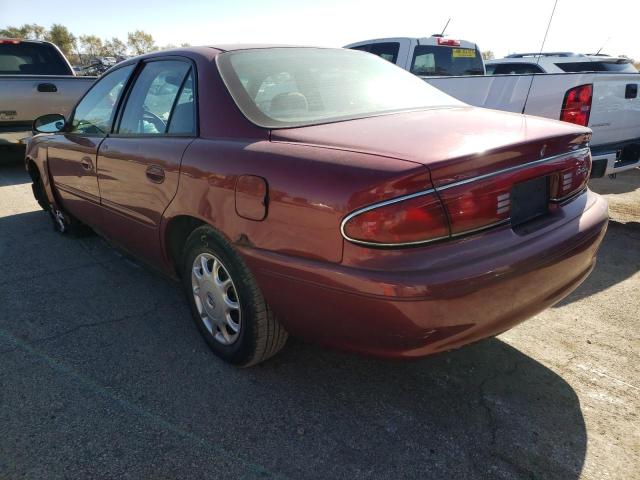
x,y
512,169
445,187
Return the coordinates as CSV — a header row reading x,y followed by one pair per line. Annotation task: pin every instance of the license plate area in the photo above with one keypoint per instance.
x,y
529,200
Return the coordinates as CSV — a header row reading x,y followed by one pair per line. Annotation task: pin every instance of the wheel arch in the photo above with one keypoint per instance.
x,y
176,232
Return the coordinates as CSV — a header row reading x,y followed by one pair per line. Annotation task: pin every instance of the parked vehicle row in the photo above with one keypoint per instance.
x,y
594,91
323,193
35,78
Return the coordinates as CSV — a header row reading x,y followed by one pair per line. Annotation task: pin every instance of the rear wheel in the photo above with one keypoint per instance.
x,y
226,302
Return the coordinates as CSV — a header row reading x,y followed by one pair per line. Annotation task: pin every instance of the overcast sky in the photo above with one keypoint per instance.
x,y
501,26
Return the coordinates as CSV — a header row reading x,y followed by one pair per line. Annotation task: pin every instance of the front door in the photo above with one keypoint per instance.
x,y
72,154
139,164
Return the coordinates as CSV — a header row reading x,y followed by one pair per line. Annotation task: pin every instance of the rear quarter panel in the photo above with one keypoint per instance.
x,y
310,190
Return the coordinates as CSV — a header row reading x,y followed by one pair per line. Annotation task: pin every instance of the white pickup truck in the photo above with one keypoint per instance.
x,y
35,78
606,101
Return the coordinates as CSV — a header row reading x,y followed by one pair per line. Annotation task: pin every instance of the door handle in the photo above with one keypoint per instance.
x,y
47,88
631,91
86,164
155,173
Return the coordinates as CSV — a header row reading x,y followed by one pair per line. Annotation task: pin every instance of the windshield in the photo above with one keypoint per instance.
x,y
26,58
288,87
431,60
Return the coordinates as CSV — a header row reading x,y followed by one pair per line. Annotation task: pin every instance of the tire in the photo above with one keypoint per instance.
x,y
63,222
40,195
226,302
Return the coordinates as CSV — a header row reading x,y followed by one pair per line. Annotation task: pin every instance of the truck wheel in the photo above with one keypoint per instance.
x,y
226,302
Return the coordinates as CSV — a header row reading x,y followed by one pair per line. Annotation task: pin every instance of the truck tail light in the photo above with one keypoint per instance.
x,y
576,106
404,221
9,40
448,42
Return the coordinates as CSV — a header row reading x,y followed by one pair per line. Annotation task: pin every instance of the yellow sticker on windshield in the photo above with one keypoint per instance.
x,y
463,53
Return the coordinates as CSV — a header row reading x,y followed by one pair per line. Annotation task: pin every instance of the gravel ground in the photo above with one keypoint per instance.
x,y
103,375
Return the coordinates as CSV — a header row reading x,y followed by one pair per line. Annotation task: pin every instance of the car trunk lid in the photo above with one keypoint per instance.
x,y
454,143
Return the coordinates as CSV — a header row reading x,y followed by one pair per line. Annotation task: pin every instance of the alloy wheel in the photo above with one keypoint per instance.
x,y
216,298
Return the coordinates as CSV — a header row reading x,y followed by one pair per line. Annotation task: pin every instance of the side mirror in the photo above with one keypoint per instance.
x,y
50,123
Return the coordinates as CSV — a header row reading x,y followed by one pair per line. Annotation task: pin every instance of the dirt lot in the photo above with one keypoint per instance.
x,y
103,375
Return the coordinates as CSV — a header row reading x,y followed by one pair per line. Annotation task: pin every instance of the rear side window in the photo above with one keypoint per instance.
x,y
183,117
386,50
152,98
27,58
513,69
431,60
615,66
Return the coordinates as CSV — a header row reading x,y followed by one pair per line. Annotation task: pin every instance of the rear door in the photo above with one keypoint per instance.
x,y
72,153
139,164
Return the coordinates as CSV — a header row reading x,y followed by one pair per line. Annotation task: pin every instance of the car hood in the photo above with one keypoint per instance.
x,y
452,142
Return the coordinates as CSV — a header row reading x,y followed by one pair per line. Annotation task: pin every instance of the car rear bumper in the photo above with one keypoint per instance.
x,y
615,158
434,298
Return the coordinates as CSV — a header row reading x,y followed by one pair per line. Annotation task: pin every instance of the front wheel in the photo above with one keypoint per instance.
x,y
226,302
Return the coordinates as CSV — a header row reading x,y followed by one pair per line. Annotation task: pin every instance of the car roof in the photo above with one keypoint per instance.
x,y
561,57
230,47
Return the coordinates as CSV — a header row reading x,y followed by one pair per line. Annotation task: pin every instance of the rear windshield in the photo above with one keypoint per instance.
x,y
612,66
26,58
431,60
289,87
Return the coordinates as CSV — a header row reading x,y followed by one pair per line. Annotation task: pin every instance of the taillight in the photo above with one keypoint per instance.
x,y
403,221
469,205
577,105
9,40
477,205
572,180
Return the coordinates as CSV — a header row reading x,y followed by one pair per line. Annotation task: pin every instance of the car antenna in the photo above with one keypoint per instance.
x,y
445,27
603,45
555,4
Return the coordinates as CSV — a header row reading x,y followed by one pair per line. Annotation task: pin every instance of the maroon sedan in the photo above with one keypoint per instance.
x,y
326,194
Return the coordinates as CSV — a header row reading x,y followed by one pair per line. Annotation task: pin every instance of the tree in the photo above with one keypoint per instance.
x,y
27,31
62,37
488,55
36,32
140,42
115,47
15,32
91,45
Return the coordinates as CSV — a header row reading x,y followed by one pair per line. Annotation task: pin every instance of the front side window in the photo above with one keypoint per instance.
x,y
94,114
286,87
433,60
152,97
